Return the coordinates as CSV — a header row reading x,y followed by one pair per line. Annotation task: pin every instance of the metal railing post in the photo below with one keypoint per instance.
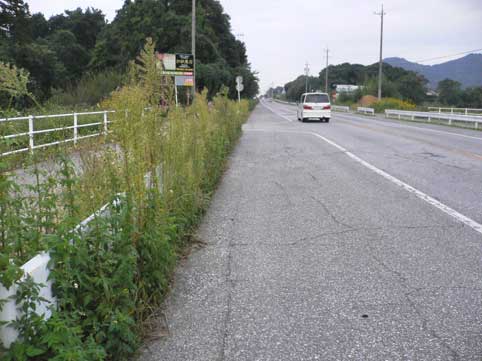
x,y
105,122
30,133
75,128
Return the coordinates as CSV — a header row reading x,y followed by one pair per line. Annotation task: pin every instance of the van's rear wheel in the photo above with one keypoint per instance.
x,y
327,120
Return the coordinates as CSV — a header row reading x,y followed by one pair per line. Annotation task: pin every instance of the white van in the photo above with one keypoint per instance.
x,y
314,106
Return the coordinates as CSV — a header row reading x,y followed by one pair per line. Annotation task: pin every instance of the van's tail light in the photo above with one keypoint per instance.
x,y
327,107
307,107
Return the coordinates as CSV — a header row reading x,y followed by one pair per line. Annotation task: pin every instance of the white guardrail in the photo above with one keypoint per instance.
x,y
37,268
30,130
340,108
465,111
449,117
365,110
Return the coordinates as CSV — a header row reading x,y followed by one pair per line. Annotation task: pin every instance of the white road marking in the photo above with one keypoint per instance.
x,y
280,115
425,197
413,127
353,117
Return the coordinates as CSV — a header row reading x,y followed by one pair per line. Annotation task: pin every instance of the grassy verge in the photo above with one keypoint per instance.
x,y
108,280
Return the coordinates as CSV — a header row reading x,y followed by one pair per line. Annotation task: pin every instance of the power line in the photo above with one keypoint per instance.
x,y
448,56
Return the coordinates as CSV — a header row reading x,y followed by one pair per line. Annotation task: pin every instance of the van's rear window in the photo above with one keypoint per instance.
x,y
317,98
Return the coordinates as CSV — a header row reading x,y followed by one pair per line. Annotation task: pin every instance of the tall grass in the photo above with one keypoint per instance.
x,y
164,168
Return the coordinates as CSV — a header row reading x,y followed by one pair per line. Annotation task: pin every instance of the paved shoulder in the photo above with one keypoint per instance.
x,y
311,256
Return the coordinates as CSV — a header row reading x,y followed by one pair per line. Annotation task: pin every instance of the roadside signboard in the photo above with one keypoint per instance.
x,y
239,87
239,80
176,64
184,62
183,80
179,66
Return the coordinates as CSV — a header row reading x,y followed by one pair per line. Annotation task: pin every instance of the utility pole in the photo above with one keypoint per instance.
x,y
193,47
380,65
326,71
307,72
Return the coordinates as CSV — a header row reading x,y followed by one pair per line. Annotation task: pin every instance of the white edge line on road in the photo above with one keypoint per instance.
x,y
425,197
279,115
354,116
351,117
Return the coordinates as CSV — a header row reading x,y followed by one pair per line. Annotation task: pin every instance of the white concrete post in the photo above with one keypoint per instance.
x,y
105,123
75,128
30,133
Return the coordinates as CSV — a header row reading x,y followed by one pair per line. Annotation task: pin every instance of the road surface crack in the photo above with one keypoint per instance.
x,y
331,214
229,284
285,193
403,281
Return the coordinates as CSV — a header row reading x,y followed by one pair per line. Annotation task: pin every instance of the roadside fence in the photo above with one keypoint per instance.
x,y
364,110
429,116
465,111
25,134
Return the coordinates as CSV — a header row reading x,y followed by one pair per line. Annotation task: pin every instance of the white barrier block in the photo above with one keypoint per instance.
x,y
37,268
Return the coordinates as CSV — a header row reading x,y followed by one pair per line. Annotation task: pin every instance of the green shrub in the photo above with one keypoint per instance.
x,y
158,181
392,103
90,90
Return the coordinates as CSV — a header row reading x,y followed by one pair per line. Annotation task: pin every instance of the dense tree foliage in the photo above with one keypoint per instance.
x,y
59,51
56,52
220,56
295,88
452,94
397,81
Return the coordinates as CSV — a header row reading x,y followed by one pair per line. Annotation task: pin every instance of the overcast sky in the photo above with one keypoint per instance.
x,y
282,35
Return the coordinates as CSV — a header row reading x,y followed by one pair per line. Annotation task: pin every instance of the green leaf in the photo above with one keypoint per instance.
x,y
34,351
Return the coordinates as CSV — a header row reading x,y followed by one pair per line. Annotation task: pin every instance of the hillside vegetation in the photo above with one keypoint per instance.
x,y
407,86
466,70
68,55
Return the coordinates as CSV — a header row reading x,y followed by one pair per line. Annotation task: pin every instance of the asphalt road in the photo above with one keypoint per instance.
x,y
354,240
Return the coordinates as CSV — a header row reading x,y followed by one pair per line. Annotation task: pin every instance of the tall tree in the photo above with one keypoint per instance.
x,y
220,56
450,92
15,20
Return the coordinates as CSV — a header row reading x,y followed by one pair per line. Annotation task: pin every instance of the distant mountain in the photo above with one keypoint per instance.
x,y
466,70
